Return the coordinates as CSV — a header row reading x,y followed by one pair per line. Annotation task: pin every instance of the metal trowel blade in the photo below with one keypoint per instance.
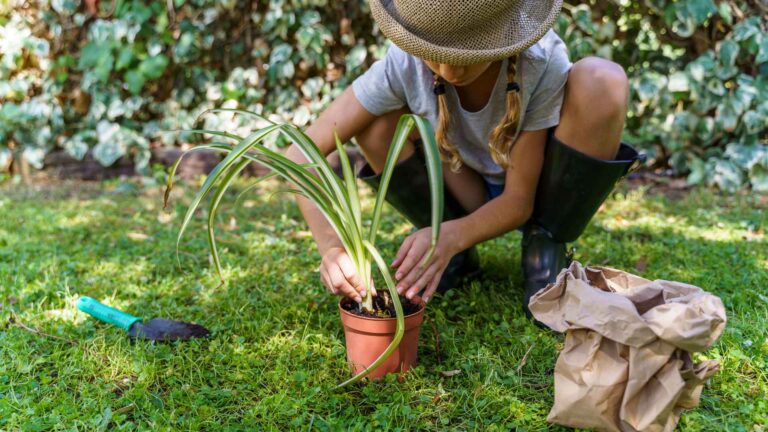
x,y
160,329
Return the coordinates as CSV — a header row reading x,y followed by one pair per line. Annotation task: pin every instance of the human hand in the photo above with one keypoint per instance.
x,y
339,275
411,277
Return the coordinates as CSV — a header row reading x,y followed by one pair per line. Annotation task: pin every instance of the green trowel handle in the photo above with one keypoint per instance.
x,y
107,314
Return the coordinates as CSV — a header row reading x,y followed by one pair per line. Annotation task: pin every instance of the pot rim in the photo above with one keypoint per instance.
x,y
421,303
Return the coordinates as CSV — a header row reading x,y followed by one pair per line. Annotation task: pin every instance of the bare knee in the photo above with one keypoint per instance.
x,y
375,140
595,107
600,87
379,132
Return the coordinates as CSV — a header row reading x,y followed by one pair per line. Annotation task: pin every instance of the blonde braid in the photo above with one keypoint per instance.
x,y
444,124
503,135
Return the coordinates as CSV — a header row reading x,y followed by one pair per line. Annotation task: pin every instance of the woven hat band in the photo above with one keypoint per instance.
x,y
462,32
444,16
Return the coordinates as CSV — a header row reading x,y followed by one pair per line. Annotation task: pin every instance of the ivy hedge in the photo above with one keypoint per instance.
x,y
115,78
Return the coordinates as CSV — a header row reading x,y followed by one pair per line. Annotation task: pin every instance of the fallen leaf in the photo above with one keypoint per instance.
x,y
125,409
450,373
301,234
137,236
525,358
164,217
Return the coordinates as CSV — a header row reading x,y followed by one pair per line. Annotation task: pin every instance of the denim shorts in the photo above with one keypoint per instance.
x,y
493,190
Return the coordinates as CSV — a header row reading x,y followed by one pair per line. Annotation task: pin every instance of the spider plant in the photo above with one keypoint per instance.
x,y
337,198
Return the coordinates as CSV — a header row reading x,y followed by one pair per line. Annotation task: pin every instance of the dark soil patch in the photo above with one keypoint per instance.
x,y
382,305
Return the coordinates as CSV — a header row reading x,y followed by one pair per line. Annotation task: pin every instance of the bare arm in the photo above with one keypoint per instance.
x,y
348,117
514,206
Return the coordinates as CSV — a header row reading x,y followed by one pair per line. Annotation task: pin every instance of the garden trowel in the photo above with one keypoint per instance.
x,y
158,329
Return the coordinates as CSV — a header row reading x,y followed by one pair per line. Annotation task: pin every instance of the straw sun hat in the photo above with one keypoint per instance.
x,y
462,32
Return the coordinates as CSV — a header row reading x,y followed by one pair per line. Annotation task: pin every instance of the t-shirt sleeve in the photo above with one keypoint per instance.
x,y
543,109
380,88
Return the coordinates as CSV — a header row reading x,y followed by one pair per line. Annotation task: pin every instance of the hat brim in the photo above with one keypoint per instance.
x,y
418,46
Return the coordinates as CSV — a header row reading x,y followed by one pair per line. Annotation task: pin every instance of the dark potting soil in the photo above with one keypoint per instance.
x,y
382,305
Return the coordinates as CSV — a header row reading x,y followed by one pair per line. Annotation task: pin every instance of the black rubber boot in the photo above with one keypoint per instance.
x,y
408,193
571,188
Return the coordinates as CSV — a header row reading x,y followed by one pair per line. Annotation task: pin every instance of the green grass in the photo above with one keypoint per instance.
x,y
277,348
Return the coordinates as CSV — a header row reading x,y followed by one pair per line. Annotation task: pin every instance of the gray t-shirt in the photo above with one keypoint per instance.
x,y
401,79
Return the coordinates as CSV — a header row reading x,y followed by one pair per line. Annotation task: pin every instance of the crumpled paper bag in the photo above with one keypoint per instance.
x,y
626,364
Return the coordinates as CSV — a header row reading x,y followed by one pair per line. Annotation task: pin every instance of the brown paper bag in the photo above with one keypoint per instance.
x,y
626,364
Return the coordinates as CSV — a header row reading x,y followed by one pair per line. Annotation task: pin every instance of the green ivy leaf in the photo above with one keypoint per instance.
x,y
310,18
607,31
754,122
743,155
135,81
678,82
742,98
746,29
287,70
304,36
153,67
762,53
311,87
690,14
726,116
140,12
715,86
356,57
605,51
124,57
92,53
698,171
65,7
728,51
648,86
724,9
700,10
186,48
34,155
726,72
582,17
728,176
76,146
280,53
705,129
97,56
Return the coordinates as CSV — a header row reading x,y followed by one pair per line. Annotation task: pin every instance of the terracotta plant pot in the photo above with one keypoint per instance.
x,y
366,338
